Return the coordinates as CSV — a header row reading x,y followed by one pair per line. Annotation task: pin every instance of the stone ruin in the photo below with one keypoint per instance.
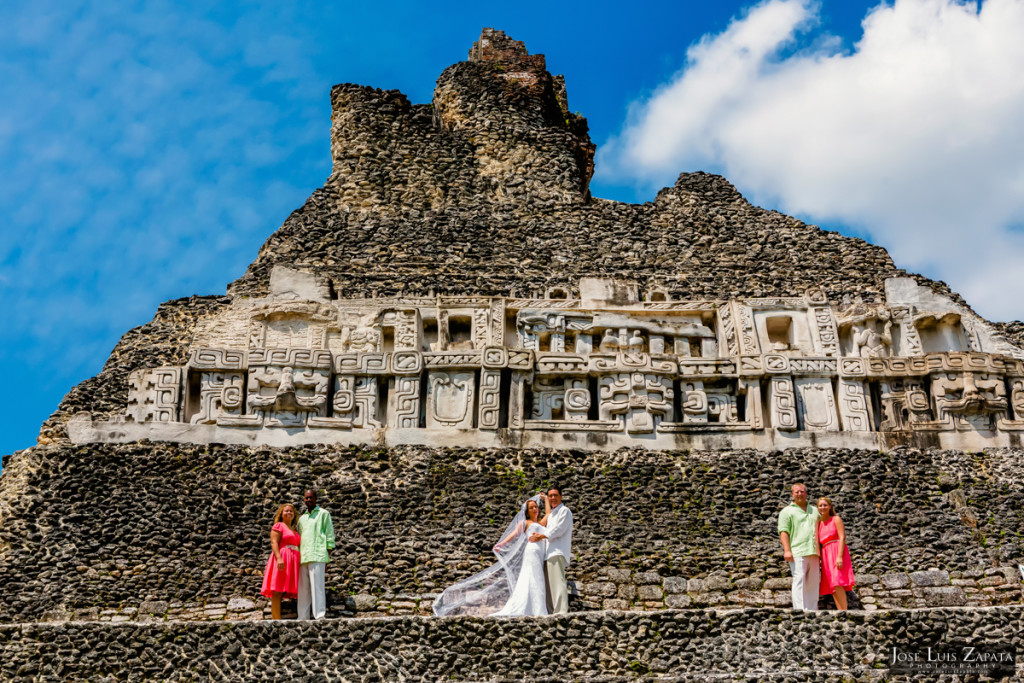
x,y
593,367
453,320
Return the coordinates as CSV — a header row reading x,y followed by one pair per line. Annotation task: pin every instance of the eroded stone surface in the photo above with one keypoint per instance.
x,y
415,519
748,644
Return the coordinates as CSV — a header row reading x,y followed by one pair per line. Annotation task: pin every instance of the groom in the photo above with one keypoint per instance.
x,y
559,542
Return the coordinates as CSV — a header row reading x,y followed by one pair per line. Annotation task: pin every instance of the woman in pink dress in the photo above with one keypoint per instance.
x,y
836,568
282,574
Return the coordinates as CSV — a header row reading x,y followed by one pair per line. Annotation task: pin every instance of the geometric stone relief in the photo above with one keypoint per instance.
x,y
404,403
638,369
154,395
287,386
451,399
854,405
220,394
782,402
816,404
640,401
490,399
695,403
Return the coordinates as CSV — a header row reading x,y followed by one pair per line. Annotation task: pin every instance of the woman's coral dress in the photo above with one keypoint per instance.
x,y
832,578
283,580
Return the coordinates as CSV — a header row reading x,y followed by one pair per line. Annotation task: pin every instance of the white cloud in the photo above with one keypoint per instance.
x,y
915,135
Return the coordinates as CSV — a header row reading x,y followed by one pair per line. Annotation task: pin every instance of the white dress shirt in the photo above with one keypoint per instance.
x,y
559,533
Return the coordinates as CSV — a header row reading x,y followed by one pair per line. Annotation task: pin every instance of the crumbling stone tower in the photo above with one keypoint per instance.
x,y
452,321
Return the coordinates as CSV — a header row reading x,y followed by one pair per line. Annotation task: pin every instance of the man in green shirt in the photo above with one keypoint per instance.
x,y
317,538
798,531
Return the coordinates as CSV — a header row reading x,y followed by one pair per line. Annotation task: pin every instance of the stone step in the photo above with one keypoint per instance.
x,y
672,645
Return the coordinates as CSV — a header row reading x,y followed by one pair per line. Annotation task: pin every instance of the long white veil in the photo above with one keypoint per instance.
x,y
487,591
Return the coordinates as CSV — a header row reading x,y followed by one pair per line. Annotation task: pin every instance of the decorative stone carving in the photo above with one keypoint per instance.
x,y
1017,397
548,399
216,359
404,403
542,331
291,324
640,400
722,407
220,395
868,330
577,400
782,403
745,329
725,316
407,331
968,400
695,403
451,399
824,329
910,340
490,399
517,401
854,405
361,340
497,322
615,359
287,386
354,404
154,395
751,388
816,404
481,327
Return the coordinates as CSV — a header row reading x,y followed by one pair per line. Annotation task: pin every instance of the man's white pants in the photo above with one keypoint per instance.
x,y
311,590
806,579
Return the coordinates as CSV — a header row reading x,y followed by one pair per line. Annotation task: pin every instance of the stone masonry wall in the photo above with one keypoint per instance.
x,y
485,191
752,644
154,531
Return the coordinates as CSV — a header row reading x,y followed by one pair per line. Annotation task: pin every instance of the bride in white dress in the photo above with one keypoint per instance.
x,y
530,595
514,585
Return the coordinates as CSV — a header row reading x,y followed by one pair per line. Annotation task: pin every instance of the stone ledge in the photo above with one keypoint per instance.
x,y
82,429
745,644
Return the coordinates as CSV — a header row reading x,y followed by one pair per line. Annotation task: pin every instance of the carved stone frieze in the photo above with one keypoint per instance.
x,y
782,403
154,395
636,369
451,399
640,400
816,404
221,394
854,405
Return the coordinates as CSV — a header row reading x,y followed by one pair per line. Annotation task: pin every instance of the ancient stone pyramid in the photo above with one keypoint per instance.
x,y
453,321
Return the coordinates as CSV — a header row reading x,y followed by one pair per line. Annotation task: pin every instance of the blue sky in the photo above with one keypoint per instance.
x,y
149,148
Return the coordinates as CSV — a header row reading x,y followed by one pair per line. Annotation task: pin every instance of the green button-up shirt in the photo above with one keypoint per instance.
x,y
317,533
802,527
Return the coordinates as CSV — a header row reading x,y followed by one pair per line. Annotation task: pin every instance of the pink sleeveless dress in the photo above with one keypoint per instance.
x,y
831,578
285,580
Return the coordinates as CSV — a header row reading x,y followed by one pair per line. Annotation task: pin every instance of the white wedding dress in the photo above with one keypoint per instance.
x,y
530,595
513,586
